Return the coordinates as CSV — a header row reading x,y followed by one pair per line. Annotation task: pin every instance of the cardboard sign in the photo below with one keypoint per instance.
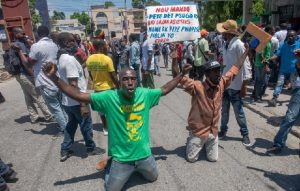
x,y
172,23
262,36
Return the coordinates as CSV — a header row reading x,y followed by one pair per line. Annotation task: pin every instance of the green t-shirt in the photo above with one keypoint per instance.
x,y
128,121
266,53
199,57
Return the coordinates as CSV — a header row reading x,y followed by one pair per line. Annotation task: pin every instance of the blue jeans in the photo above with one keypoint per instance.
x,y
289,119
53,101
156,65
280,82
234,97
3,170
136,68
118,173
259,81
86,128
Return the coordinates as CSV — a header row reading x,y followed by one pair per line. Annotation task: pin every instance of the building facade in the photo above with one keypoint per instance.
x,y
120,20
284,11
68,25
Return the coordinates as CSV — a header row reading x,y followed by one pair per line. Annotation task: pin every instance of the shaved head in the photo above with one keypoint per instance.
x,y
124,71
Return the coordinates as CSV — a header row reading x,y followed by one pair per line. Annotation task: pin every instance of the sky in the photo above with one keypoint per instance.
x,y
70,6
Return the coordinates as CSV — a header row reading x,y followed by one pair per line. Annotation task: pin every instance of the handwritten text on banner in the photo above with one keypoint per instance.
x,y
172,23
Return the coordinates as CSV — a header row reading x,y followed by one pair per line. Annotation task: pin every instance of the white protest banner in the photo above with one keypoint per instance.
x,y
172,23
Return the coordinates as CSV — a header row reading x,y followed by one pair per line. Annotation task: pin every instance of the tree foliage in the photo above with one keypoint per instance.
x,y
258,7
35,17
109,4
220,11
144,3
152,3
83,19
57,15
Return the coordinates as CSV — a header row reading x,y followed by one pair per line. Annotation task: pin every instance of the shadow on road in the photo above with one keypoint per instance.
x,y
264,144
286,182
160,152
228,138
50,129
276,120
73,180
23,119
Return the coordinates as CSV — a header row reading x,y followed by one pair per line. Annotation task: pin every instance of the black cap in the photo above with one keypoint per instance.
x,y
212,64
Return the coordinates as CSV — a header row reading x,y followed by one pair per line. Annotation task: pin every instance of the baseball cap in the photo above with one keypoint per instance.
x,y
213,64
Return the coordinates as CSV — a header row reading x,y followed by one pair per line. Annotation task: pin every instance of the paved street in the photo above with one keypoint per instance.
x,y
34,152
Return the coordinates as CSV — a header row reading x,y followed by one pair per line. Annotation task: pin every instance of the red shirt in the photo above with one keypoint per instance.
x,y
179,51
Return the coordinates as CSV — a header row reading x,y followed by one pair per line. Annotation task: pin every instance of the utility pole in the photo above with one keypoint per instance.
x,y
246,11
125,20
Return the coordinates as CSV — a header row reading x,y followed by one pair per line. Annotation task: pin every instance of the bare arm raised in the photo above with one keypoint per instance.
x,y
169,86
50,70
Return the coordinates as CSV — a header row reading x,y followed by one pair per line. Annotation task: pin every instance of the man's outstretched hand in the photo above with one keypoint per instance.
x,y
186,69
50,70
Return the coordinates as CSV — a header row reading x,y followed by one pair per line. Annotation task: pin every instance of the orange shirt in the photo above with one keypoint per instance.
x,y
205,112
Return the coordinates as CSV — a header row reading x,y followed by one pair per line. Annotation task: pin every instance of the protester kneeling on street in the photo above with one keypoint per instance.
x,y
127,112
205,108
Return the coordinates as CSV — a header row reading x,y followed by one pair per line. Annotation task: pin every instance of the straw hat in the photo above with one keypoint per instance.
x,y
229,26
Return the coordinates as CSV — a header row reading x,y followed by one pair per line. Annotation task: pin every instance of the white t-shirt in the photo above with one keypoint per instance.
x,y
45,50
231,55
69,67
274,45
281,35
146,47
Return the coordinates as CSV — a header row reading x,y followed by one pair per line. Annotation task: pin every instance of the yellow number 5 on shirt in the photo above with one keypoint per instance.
x,y
134,121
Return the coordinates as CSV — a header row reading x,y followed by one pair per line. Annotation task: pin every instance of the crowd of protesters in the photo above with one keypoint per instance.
x,y
122,70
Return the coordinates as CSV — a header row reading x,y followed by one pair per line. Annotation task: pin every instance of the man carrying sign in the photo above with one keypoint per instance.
x,y
232,51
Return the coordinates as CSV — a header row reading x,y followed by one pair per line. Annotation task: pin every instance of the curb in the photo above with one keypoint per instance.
x,y
276,122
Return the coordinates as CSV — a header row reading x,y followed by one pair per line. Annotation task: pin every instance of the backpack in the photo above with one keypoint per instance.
x,y
12,62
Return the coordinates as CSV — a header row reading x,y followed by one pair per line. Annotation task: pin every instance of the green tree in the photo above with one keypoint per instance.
x,y
83,19
109,4
143,3
35,17
225,10
258,7
152,3
57,15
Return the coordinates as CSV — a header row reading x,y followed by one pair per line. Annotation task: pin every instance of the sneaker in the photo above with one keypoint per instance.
x,y
273,151
37,120
50,119
96,151
60,133
105,132
10,176
222,135
273,102
4,188
246,141
64,155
